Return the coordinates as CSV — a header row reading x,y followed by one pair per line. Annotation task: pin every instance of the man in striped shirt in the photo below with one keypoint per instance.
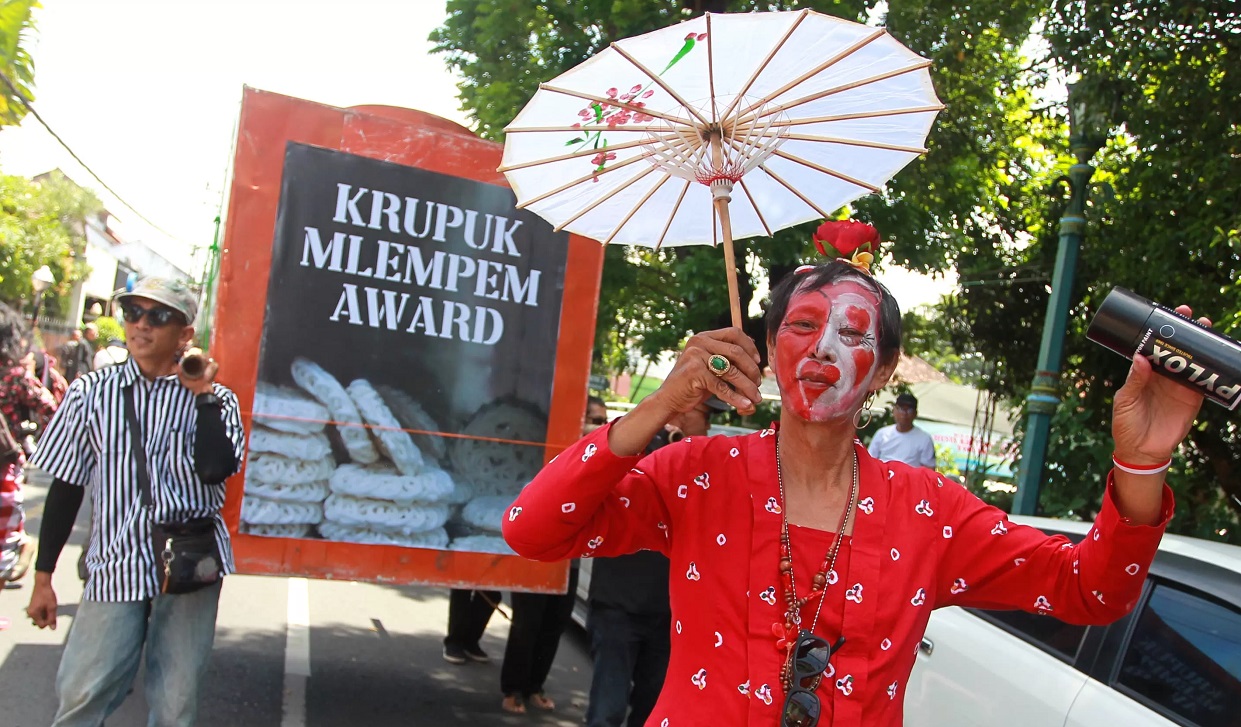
x,y
192,436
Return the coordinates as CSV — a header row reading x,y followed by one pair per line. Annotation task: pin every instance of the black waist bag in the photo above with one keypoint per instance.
x,y
189,558
187,553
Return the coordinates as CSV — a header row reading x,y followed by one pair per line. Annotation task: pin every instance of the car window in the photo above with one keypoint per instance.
x,y
1047,632
1185,656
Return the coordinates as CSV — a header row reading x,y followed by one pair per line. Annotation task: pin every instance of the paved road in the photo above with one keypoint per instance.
x,y
374,658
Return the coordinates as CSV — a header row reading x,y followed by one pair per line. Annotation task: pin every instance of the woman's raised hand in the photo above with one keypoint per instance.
x,y
1152,414
723,363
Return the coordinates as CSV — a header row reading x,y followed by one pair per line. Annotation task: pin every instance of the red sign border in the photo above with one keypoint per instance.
x,y
268,122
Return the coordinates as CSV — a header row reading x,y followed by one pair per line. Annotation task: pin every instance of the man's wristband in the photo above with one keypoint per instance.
x,y
206,398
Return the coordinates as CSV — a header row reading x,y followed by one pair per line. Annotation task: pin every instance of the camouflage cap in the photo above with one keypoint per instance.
x,y
175,294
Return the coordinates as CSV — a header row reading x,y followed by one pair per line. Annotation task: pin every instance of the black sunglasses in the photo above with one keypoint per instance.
x,y
158,316
810,658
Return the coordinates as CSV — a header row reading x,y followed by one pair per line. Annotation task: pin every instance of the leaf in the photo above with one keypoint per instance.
x,y
685,49
571,142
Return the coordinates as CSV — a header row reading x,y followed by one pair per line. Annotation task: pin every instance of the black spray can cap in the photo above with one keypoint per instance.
x,y
1120,321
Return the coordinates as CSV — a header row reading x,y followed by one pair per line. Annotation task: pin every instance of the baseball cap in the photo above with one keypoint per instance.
x,y
907,400
716,404
175,294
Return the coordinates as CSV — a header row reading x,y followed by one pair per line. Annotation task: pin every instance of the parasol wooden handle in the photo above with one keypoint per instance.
x,y
730,260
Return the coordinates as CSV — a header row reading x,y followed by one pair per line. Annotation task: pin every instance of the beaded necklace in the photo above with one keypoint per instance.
x,y
786,633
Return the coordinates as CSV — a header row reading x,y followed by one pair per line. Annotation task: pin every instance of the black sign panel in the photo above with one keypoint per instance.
x,y
407,358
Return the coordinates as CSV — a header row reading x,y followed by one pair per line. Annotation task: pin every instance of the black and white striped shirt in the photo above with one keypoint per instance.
x,y
88,443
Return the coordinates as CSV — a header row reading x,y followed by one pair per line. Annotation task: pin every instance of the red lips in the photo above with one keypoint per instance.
x,y
826,375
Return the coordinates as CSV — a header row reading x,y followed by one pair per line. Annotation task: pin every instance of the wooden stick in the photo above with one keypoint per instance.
x,y
726,229
858,45
616,102
667,89
730,261
763,66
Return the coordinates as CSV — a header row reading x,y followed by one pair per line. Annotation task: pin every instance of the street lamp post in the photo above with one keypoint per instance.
x,y
41,280
1087,134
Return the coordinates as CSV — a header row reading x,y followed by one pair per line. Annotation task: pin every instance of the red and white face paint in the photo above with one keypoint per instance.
x,y
826,350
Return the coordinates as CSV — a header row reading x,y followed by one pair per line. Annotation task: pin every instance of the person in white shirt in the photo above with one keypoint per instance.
x,y
903,441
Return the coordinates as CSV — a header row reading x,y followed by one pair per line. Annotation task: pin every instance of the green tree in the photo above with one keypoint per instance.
x,y
41,223
17,86
1165,73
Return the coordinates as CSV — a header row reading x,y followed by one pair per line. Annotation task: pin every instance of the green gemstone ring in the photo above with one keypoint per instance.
x,y
719,365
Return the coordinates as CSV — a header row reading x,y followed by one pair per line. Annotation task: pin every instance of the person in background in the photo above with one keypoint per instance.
x,y
24,400
630,619
902,441
469,612
15,545
77,356
47,371
192,439
538,621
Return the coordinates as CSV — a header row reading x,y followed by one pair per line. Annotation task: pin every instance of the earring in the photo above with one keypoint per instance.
x,y
857,422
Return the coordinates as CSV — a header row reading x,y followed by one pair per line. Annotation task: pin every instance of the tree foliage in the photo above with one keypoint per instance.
x,y
41,223
1163,222
984,200
16,25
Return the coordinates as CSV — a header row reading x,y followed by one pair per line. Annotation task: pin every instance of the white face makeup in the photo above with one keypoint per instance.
x,y
826,350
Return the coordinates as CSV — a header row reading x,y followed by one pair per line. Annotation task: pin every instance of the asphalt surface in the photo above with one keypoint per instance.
x,y
375,657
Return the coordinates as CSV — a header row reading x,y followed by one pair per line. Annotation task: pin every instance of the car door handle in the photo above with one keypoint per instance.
x,y
927,646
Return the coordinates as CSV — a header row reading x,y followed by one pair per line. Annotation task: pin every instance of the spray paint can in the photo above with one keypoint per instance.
x,y
1177,347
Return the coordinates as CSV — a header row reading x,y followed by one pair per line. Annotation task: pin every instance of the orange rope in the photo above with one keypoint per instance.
x,y
524,442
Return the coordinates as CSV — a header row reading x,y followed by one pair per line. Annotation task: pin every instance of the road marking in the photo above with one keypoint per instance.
x,y
296,654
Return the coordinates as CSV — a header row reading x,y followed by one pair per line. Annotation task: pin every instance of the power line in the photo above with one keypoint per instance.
x,y
20,97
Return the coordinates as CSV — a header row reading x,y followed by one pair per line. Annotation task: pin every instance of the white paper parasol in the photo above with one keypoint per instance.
x,y
789,115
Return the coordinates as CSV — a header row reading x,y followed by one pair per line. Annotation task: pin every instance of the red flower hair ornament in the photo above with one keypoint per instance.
x,y
854,242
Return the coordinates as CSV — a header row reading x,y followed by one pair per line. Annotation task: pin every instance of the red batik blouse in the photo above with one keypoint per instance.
x,y
919,541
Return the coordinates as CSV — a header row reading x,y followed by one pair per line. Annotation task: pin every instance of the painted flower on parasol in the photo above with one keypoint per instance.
x,y
735,124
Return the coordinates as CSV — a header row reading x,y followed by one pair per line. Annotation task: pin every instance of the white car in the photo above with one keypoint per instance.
x,y
1175,660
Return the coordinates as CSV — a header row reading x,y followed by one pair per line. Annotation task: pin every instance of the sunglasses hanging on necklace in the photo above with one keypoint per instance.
x,y
801,707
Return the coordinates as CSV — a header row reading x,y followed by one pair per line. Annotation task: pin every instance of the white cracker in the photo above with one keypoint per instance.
x,y
324,387
411,415
395,443
277,470
500,467
295,530
383,482
315,492
261,511
436,539
462,492
288,410
294,446
487,513
481,544
364,512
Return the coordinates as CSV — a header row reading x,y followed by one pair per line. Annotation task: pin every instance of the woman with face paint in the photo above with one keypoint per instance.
x,y
804,570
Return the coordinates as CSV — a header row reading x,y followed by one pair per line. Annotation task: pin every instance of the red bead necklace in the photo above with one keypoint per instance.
x,y
786,633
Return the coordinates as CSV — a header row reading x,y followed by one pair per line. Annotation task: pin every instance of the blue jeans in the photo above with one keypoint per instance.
x,y
630,652
104,650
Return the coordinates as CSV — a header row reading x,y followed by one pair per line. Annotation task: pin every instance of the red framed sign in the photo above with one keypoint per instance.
x,y
407,347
